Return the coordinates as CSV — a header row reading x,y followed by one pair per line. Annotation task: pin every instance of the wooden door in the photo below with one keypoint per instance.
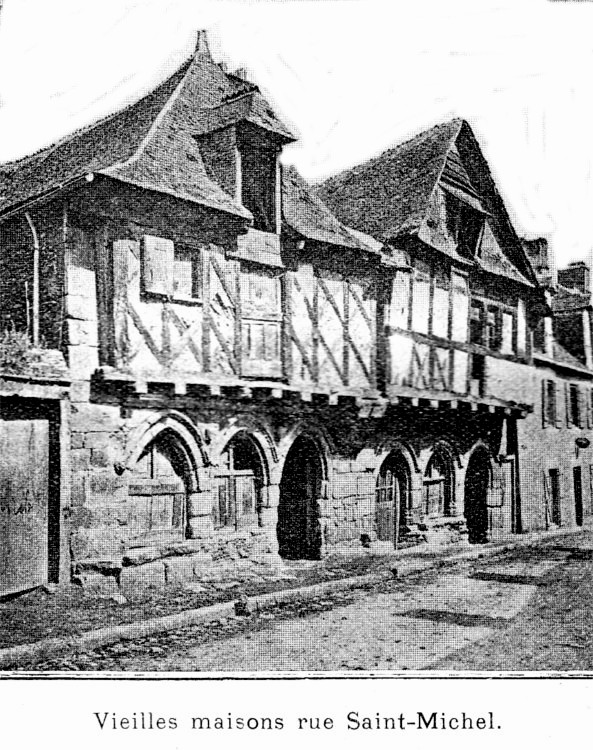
x,y
385,506
24,481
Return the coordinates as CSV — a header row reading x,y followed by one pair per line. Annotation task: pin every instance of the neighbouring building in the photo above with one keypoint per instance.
x,y
230,369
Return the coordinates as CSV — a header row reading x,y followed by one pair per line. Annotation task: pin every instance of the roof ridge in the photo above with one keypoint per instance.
x,y
9,166
396,147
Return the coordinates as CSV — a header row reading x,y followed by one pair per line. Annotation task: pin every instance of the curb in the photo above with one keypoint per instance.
x,y
49,647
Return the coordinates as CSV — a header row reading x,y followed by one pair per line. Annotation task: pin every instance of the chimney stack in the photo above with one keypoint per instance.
x,y
241,73
576,276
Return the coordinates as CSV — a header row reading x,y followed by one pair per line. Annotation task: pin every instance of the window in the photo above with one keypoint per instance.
x,y
259,178
492,326
186,274
261,322
476,323
493,329
240,484
438,484
553,496
465,225
169,270
549,404
573,406
477,374
421,298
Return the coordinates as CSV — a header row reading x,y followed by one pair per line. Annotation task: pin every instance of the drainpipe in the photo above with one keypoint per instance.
x,y
35,280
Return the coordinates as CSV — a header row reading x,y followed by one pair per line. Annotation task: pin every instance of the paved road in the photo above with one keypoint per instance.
x,y
410,627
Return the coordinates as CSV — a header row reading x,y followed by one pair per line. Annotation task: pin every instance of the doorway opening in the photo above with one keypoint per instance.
x,y
477,485
299,530
392,498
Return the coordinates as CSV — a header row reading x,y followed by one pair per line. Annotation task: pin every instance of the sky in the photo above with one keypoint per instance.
x,y
351,77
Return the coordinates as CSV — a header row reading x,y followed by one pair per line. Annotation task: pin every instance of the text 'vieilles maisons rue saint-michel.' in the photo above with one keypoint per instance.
x,y
352,721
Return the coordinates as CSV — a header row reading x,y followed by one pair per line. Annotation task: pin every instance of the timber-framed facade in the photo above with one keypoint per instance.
x,y
253,371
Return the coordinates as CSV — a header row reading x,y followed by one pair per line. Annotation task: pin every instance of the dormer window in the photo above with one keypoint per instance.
x,y
259,181
465,225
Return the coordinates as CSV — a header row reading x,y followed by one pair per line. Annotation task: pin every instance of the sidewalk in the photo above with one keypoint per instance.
x,y
319,580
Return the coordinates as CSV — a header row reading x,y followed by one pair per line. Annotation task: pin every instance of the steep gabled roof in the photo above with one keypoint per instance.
x,y
306,214
151,143
388,196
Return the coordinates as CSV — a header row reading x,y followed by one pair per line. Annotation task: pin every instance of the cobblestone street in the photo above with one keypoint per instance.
x,y
437,620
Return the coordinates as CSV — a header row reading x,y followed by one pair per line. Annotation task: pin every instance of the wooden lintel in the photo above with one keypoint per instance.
x,y
332,399
180,388
246,392
215,390
277,392
306,396
140,386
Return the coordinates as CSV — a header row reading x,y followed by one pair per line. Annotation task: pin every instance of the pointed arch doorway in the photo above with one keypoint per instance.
x,y
392,497
299,530
477,486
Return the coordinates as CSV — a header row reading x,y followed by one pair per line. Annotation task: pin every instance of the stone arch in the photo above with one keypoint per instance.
x,y
398,446
318,434
261,438
185,431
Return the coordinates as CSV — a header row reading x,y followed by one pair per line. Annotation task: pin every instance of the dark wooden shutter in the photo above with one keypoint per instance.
x,y
157,265
545,403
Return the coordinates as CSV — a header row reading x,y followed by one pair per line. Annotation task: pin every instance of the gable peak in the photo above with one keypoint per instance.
x,y
202,50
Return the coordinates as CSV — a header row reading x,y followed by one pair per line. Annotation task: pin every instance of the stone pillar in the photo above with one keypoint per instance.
x,y
268,514
199,514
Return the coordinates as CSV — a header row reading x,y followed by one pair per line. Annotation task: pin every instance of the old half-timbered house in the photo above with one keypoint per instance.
x,y
220,330
456,363
256,371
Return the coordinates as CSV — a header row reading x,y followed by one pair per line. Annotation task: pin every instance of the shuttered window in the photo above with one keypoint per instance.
x,y
573,406
261,322
549,404
157,265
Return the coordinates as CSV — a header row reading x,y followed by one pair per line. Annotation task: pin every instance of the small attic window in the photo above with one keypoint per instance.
x,y
465,225
258,178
